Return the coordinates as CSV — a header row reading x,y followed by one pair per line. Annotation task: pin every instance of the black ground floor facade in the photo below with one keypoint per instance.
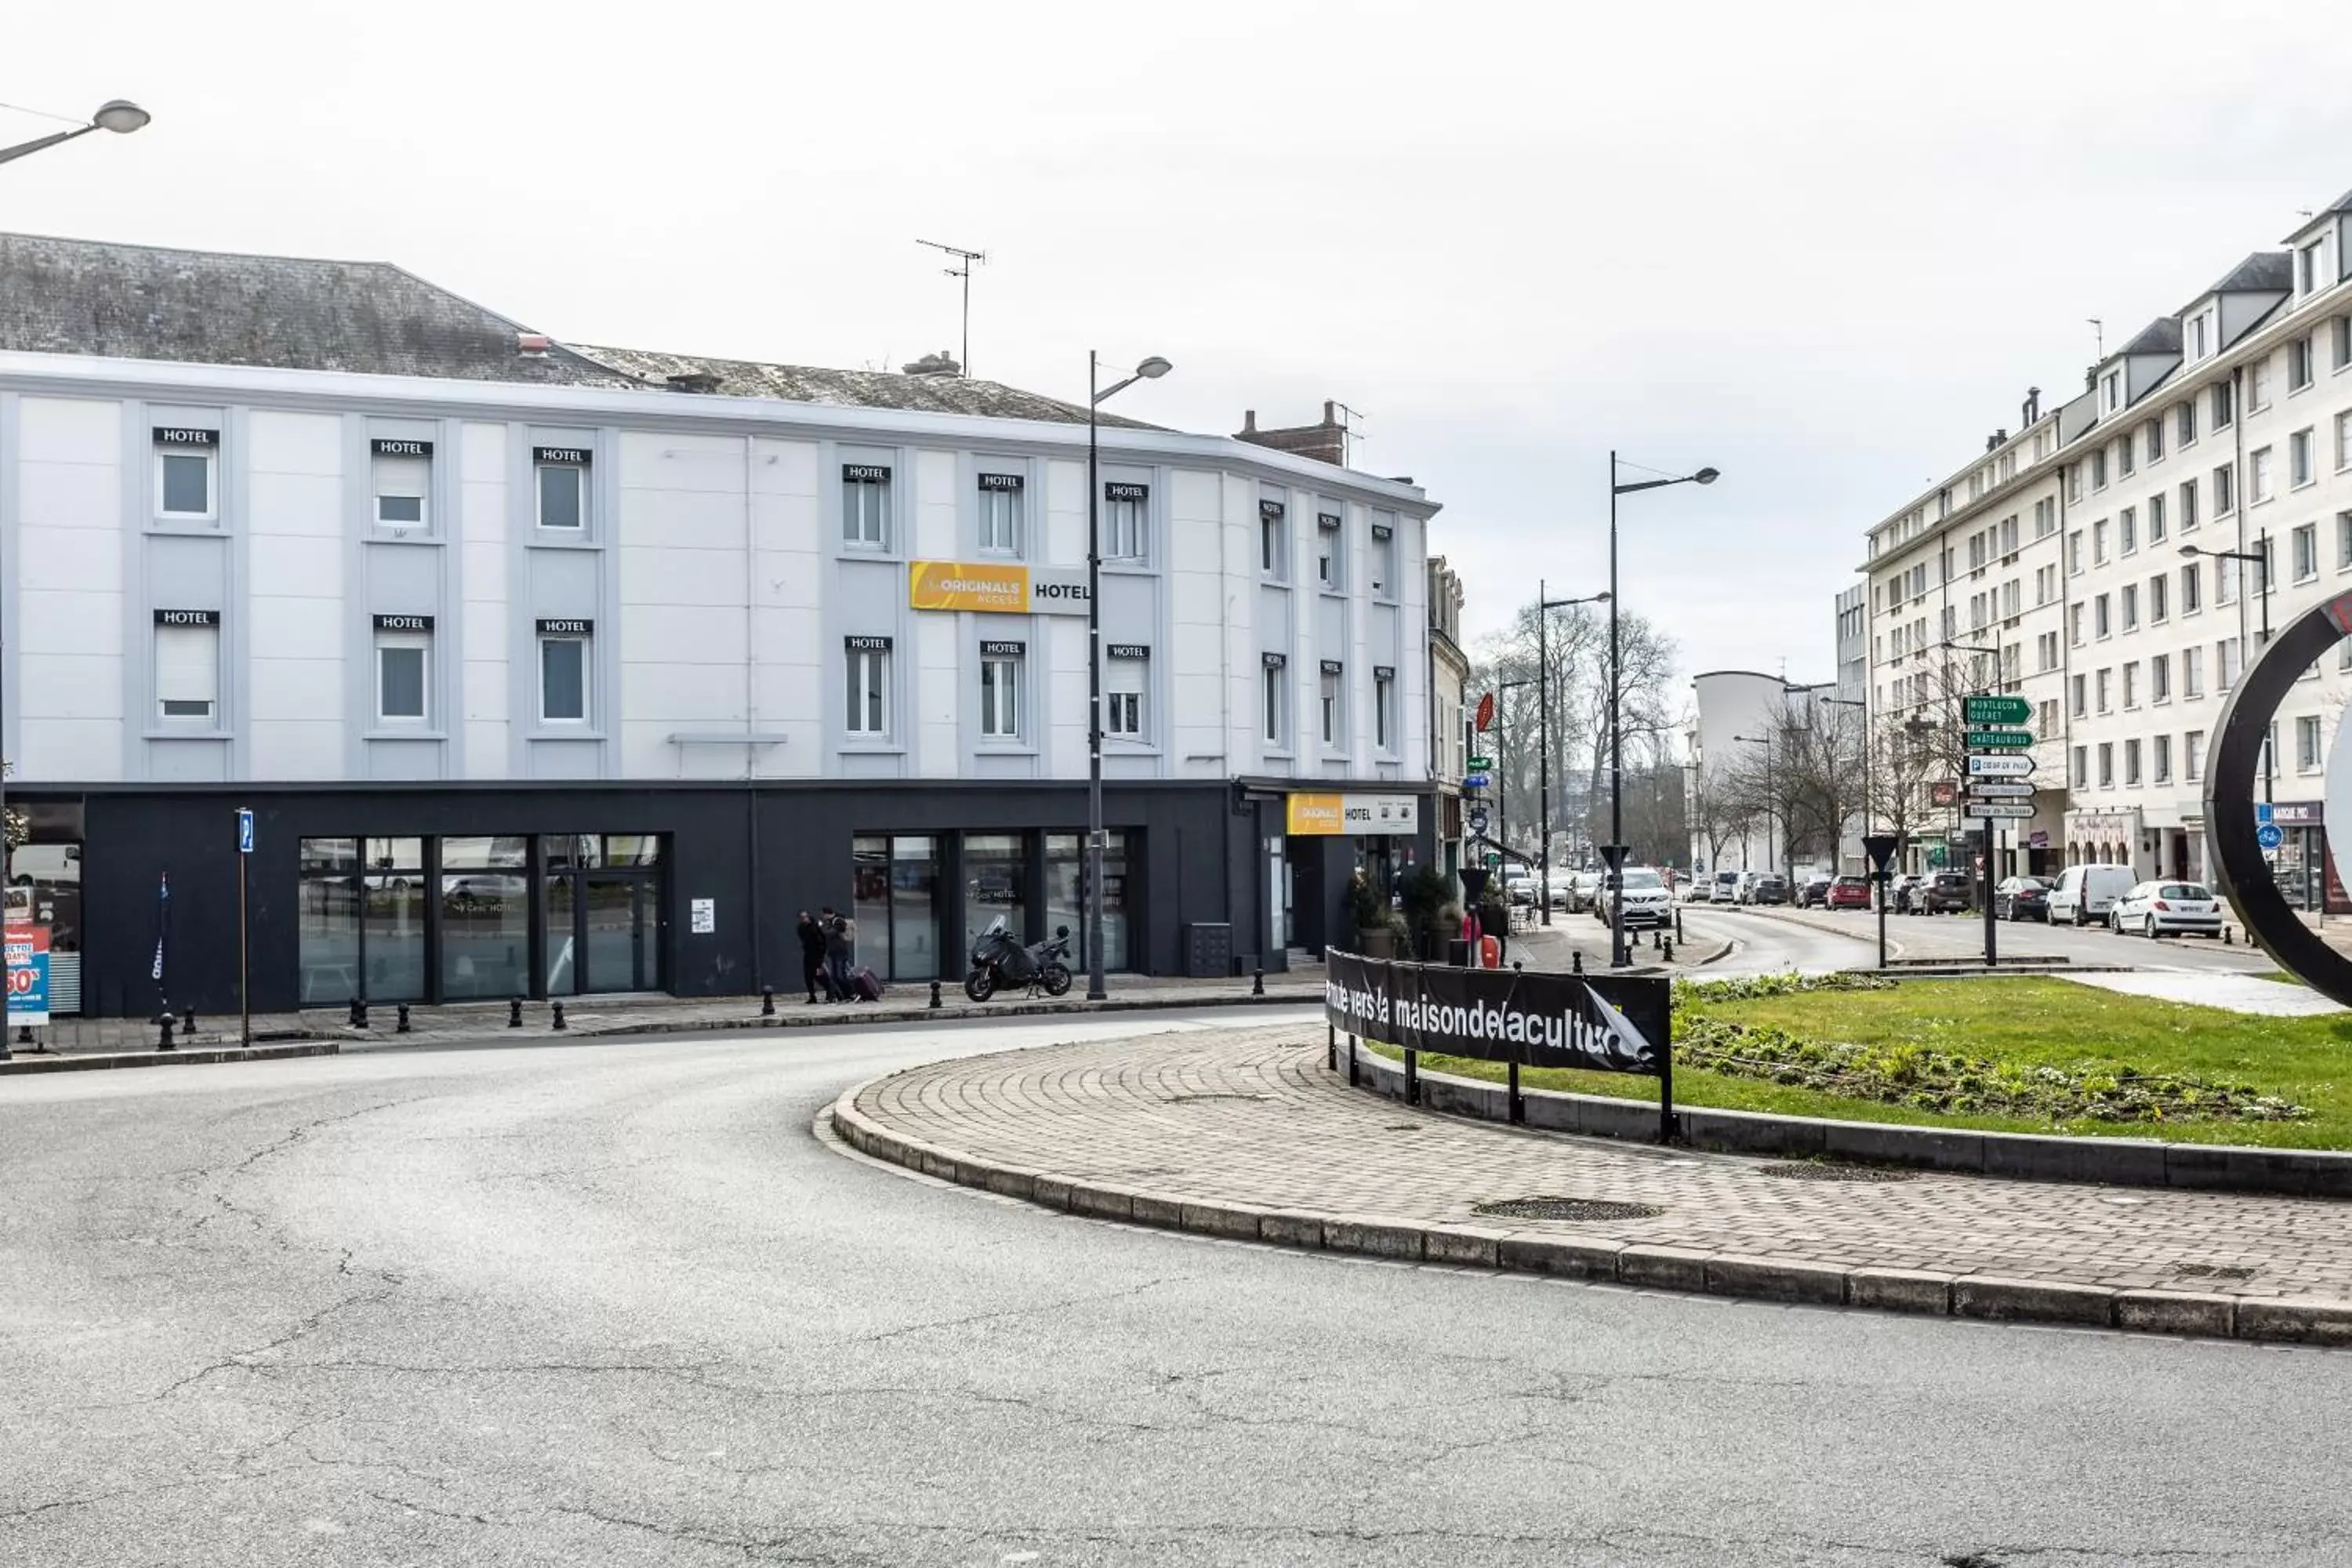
x,y
448,893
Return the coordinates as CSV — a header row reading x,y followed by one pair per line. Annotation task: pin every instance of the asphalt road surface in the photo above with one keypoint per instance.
x,y
613,1303
1772,940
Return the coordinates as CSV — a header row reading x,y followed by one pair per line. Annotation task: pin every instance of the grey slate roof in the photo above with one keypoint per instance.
x,y
202,307
2263,272
2161,336
369,318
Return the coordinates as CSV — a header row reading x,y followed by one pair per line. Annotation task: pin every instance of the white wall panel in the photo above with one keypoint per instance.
x,y
1065,514
71,430
936,536
87,624
300,689
482,456
70,750
65,558
280,442
70,495
69,685
1066,666
294,503
935,694
651,575
295,628
296,749
297,566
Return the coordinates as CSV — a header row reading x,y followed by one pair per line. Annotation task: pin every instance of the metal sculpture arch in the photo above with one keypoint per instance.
x,y
2230,769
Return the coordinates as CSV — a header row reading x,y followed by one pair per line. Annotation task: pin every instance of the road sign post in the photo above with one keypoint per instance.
x,y
1998,740
244,928
1989,709
1999,809
2006,765
1881,848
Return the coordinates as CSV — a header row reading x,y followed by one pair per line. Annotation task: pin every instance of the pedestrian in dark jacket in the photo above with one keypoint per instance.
x,y
812,971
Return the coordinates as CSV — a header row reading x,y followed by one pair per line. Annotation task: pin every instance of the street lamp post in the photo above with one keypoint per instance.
x,y
121,117
1544,607
1617,956
1152,369
1502,816
2262,559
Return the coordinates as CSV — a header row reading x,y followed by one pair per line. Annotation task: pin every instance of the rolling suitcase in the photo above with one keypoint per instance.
x,y
863,982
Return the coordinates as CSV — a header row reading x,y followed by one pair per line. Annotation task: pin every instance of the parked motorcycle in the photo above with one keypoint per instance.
x,y
998,960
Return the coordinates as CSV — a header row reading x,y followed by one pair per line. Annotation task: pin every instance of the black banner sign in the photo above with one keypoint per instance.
x,y
1273,660
1328,519
1118,490
1270,509
1001,481
1003,649
1381,531
386,447
866,473
559,454
404,623
1384,672
187,617
867,644
1617,1025
1128,650
186,436
566,629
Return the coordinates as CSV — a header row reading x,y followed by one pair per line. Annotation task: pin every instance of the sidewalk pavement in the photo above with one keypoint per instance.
x,y
590,1016
1245,1132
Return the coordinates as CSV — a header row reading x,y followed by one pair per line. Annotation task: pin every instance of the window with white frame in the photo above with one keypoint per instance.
x,y
2344,543
2192,751
2128,530
2192,587
1273,541
2189,506
2197,340
1384,583
1384,731
2307,744
2192,672
1127,668
1000,514
2155,429
1332,702
2081,767
2307,273
2099,469
1274,686
2099,543
2131,684
563,671
1000,689
1330,558
2127,602
2258,383
2155,518
2305,548
1124,511
2104,685
2184,422
404,652
2299,357
2225,491
561,476
866,660
2106,765
2161,764
2159,679
185,472
2078,698
2125,452
2159,588
866,506
2340,332
187,663
2226,662
2225,405
404,482
2131,765
2298,460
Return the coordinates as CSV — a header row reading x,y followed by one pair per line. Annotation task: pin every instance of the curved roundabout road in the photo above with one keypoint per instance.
x,y
616,1304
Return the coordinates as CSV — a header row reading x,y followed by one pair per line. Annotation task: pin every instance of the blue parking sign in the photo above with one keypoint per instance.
x,y
244,830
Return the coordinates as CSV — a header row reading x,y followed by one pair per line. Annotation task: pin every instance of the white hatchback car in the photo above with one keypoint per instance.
x,y
2153,908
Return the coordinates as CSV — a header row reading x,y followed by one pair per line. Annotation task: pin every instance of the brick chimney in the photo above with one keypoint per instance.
x,y
1326,442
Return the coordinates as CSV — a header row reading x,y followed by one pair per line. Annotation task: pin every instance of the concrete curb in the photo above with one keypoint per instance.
x,y
86,1062
2024,1156
1977,1295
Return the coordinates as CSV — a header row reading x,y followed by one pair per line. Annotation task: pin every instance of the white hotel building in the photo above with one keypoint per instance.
x,y
553,669
2226,426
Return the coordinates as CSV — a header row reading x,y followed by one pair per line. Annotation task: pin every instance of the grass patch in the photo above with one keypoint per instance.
x,y
2084,1047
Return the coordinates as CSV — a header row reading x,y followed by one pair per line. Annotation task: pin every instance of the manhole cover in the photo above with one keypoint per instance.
x,y
1830,1170
1587,1209
2213,1272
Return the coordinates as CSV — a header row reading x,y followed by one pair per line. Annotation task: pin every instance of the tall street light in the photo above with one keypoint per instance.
x,y
119,115
122,117
1152,369
1544,607
1501,816
2262,559
1617,956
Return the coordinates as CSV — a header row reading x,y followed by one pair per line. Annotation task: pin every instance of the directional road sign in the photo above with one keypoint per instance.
x,y
2263,817
2000,789
2000,808
2270,836
1999,739
1476,781
2001,767
1995,709
1481,764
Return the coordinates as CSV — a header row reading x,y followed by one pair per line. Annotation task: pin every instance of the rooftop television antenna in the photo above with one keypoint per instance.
x,y
967,258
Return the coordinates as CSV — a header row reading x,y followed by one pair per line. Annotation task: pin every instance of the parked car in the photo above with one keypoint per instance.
x,y
2086,893
1899,893
1726,888
1583,891
1942,893
1695,889
2153,908
2022,898
1648,902
1813,892
1519,885
1849,892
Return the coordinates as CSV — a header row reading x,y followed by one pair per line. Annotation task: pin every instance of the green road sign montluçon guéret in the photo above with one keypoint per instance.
x,y
1999,739
1479,765
1995,709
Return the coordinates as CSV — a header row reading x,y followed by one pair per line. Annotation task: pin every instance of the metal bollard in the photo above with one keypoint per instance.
x,y
2227,938
767,1004
1576,964
1257,981
1670,952
935,993
1678,925
358,1016
164,1041
514,1013
1517,967
401,1026
560,1025
1658,940
188,1025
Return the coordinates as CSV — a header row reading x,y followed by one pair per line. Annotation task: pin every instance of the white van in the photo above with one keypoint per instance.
x,y
2086,893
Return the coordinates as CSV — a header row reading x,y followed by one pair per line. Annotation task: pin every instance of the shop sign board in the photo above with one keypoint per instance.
x,y
1352,815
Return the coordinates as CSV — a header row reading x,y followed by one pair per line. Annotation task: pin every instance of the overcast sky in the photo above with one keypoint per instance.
x,y
1824,246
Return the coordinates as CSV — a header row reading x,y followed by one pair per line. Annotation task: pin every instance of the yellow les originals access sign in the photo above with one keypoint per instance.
x,y
996,587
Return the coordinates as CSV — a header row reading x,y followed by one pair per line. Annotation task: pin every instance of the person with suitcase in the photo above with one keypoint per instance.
x,y
840,945
813,969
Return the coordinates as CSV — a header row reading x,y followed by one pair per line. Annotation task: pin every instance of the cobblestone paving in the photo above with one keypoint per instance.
x,y
1252,1116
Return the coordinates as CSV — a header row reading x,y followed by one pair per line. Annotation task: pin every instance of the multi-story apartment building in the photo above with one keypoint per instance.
x,y
2221,431
1449,707
547,668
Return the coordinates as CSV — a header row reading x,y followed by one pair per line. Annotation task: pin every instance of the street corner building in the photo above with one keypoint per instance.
x,y
548,670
